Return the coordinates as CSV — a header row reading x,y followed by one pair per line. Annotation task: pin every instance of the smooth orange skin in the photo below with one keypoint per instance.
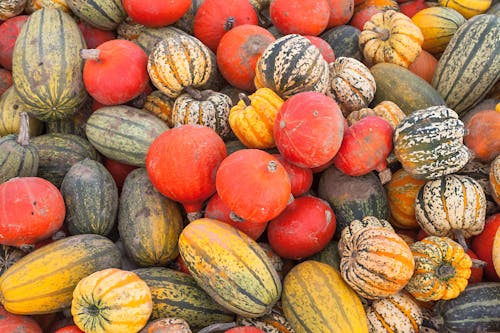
x,y
156,13
341,12
11,323
483,136
482,245
424,66
303,17
323,46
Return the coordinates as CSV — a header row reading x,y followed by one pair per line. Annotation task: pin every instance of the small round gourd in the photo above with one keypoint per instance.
x,y
160,105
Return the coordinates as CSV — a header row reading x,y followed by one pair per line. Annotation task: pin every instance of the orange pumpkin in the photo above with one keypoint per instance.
x,y
483,135
424,66
303,17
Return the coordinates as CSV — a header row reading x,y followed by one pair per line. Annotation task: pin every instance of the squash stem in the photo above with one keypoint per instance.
x,y
272,166
245,99
229,24
383,33
385,176
90,54
217,327
195,93
459,236
445,271
476,263
23,137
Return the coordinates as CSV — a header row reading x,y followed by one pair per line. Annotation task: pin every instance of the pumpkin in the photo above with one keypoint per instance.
x,y
5,80
252,119
483,135
483,244
340,12
360,17
156,13
32,210
356,225
301,179
375,262
467,8
357,115
207,107
424,66
365,147
323,46
17,157
94,36
496,253
167,325
11,323
253,184
303,17
11,108
9,31
160,105
308,129
391,37
104,300
11,8
383,5
238,52
442,269
495,179
186,22
402,191
69,329
181,61
290,65
194,153
438,25
115,72
411,8
387,110
394,313
451,205
429,143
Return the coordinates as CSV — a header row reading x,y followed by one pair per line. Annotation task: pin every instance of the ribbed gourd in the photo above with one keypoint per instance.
x,y
102,14
47,68
160,105
290,65
11,8
11,107
149,37
429,143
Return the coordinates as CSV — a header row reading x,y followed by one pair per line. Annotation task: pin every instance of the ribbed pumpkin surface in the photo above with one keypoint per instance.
x,y
357,225
160,105
149,37
468,8
149,223
17,160
47,68
470,65
232,268
123,133
316,300
102,14
43,281
11,107
495,179
177,294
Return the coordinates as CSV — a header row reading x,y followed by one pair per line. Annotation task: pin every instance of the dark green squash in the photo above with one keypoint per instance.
x,y
73,125
102,14
91,198
149,37
176,294
344,41
329,255
353,198
149,223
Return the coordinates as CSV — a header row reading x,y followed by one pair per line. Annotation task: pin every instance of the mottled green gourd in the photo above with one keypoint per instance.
x,y
91,198
46,66
102,14
18,158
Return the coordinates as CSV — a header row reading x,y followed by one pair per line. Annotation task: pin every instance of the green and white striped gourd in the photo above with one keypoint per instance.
x,y
102,14
11,107
429,143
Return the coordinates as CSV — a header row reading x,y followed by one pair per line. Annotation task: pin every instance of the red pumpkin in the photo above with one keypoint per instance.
x,y
93,36
323,46
477,273
9,32
365,147
11,323
156,13
69,329
115,72
303,17
308,129
45,321
304,228
341,12
245,329
482,245
359,18
424,66
5,80
218,210
182,163
180,265
31,209
300,178
118,170
483,135
410,8
238,52
216,17
253,184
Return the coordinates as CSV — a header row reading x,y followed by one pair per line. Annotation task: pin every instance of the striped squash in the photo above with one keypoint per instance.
x,y
33,5
46,66
149,37
315,300
396,313
181,61
176,294
429,143
102,14
476,309
123,133
375,262
160,105
58,152
149,223
231,267
91,198
470,65
43,281
438,25
290,65
468,8
18,158
495,179
402,190
11,107
390,111
357,225
11,8
274,322
451,203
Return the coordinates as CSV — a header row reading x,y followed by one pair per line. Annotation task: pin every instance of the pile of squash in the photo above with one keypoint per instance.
x,y
249,166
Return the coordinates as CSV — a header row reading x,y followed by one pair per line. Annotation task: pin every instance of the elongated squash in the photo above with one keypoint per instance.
x,y
11,107
46,66
102,14
316,300
43,281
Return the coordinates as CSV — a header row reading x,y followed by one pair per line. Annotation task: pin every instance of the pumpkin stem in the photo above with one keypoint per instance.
x,y
459,236
193,216
445,271
476,263
90,54
385,175
383,33
272,166
235,218
27,248
229,23
217,327
195,93
245,99
438,321
23,138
